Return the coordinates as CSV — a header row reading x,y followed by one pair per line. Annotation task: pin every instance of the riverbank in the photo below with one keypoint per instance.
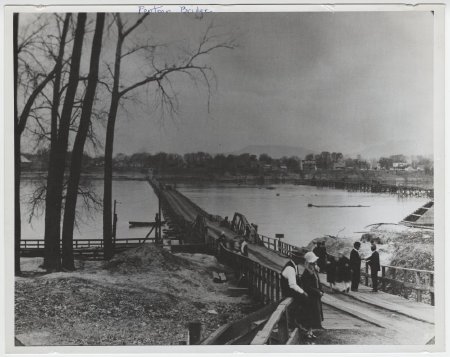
x,y
144,296
415,179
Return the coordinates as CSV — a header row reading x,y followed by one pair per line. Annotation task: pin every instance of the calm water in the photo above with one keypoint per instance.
x,y
281,210
288,213
137,202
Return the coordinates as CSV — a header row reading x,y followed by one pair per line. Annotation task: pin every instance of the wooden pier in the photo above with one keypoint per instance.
x,y
373,187
406,321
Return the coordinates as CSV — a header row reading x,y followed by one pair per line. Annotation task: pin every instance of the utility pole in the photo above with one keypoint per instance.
x,y
114,228
158,239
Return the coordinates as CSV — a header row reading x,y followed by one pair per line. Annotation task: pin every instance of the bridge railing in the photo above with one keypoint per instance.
x,y
406,282
401,281
268,242
263,282
279,322
277,245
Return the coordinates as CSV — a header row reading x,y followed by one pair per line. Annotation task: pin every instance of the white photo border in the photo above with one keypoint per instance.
x,y
440,177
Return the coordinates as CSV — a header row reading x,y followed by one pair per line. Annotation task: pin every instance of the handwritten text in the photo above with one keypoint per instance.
x,y
157,9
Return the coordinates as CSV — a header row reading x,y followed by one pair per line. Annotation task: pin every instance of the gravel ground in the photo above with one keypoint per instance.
x,y
142,297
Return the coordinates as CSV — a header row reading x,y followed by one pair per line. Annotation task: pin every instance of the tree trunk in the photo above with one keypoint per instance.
x,y
17,163
78,148
50,216
55,181
107,189
109,148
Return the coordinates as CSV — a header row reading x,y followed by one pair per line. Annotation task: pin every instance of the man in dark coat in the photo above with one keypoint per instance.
x,y
317,249
355,265
290,286
374,263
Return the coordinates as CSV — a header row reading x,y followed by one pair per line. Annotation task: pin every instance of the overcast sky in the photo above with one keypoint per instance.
x,y
348,82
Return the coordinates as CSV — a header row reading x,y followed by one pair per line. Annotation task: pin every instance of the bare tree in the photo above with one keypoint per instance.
x,y
20,121
58,153
190,65
77,152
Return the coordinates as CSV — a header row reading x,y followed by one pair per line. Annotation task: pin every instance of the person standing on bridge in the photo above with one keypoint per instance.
x,y
355,265
244,247
374,263
343,271
312,314
289,285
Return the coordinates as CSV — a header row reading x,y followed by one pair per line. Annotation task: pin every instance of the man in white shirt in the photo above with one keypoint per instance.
x,y
289,286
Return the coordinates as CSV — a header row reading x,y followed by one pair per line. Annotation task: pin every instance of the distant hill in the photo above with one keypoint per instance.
x,y
275,151
394,147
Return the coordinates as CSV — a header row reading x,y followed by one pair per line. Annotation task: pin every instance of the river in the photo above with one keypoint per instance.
x,y
283,209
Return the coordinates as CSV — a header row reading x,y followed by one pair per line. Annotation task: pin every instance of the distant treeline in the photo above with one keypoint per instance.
x,y
199,161
239,164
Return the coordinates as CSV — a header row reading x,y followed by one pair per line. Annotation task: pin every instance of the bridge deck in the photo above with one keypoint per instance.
x,y
407,322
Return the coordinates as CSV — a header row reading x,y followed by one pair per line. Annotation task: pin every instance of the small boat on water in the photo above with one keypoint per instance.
x,y
135,224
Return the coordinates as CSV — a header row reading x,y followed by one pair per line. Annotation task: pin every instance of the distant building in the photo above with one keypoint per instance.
x,y
399,166
420,168
267,168
339,165
309,165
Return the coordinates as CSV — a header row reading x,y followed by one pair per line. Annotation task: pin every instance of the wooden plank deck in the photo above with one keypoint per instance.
x,y
408,322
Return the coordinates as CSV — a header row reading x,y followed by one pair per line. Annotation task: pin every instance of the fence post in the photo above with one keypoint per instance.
x,y
195,332
418,284
367,274
405,280
264,284
283,329
432,287
383,276
277,282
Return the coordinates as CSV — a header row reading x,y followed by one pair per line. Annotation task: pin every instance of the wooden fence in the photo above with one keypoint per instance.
x,y
276,330
81,247
262,282
406,282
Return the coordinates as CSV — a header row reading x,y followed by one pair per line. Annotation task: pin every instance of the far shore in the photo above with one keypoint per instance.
x,y
418,180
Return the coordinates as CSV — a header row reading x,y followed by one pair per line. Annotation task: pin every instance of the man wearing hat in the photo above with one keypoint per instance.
x,y
289,286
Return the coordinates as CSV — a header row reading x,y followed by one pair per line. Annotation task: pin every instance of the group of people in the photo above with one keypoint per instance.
x,y
345,270
306,288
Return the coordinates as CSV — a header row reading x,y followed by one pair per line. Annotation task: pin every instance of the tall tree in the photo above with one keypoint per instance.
x,y
78,147
57,163
158,75
20,121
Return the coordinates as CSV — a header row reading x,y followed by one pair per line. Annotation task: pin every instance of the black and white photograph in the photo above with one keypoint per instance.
x,y
188,176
